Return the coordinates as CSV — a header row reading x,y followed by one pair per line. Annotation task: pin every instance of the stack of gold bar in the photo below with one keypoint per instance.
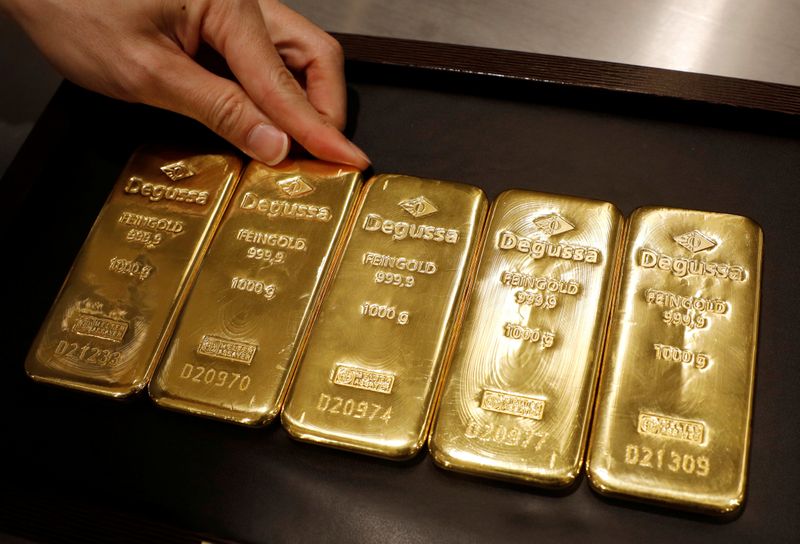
x,y
672,423
519,394
371,368
399,280
235,345
113,317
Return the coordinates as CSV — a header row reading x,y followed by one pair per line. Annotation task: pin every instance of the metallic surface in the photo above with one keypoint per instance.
x,y
735,38
672,422
371,369
235,343
519,393
110,322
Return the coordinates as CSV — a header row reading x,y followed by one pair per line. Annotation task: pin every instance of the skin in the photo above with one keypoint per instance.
x,y
142,51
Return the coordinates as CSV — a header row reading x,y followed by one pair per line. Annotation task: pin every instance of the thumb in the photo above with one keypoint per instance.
x,y
221,105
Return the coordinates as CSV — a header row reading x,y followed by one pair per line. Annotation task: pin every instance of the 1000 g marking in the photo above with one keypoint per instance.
x,y
383,311
256,287
126,267
671,460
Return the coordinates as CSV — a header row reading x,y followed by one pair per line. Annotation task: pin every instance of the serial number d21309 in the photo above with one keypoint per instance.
x,y
670,460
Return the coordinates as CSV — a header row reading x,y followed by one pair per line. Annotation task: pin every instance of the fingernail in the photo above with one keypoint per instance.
x,y
269,144
359,153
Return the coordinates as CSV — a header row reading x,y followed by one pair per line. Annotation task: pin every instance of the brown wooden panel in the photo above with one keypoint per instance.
x,y
571,71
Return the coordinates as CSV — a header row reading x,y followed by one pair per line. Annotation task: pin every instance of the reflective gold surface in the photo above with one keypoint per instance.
x,y
371,368
109,324
518,396
672,423
235,343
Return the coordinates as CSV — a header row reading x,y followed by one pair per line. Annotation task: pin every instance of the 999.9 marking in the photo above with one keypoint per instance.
x,y
535,299
266,255
392,278
671,460
353,408
214,377
145,237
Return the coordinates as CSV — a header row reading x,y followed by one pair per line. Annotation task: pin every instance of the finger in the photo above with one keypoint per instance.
x,y
221,105
306,48
243,40
325,84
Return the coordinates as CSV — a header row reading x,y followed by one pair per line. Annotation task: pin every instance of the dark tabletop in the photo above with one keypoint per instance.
x,y
81,468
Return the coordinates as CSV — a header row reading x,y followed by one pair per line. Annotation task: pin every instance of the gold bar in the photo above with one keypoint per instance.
x,y
235,344
518,397
371,368
672,423
111,320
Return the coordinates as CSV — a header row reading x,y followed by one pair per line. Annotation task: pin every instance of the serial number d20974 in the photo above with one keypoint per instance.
x,y
353,408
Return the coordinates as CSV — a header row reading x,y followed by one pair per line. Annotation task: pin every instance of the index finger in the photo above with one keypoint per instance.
x,y
238,32
307,48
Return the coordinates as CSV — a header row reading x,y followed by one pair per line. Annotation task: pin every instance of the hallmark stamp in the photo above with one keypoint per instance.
x,y
90,319
221,348
360,378
418,206
512,404
177,171
100,327
670,427
553,224
294,187
695,241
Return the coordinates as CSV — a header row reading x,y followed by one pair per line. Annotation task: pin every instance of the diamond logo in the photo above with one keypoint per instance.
x,y
294,187
177,171
553,224
419,206
695,241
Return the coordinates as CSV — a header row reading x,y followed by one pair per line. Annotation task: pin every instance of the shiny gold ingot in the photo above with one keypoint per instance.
x,y
518,396
371,368
235,344
113,316
672,423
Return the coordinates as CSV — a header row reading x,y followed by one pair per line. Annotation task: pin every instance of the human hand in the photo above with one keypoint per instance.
x,y
141,51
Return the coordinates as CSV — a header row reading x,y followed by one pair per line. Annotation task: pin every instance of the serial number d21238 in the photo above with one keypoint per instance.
x,y
86,353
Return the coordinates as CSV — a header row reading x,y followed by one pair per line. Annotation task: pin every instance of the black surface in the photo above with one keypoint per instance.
x,y
116,463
